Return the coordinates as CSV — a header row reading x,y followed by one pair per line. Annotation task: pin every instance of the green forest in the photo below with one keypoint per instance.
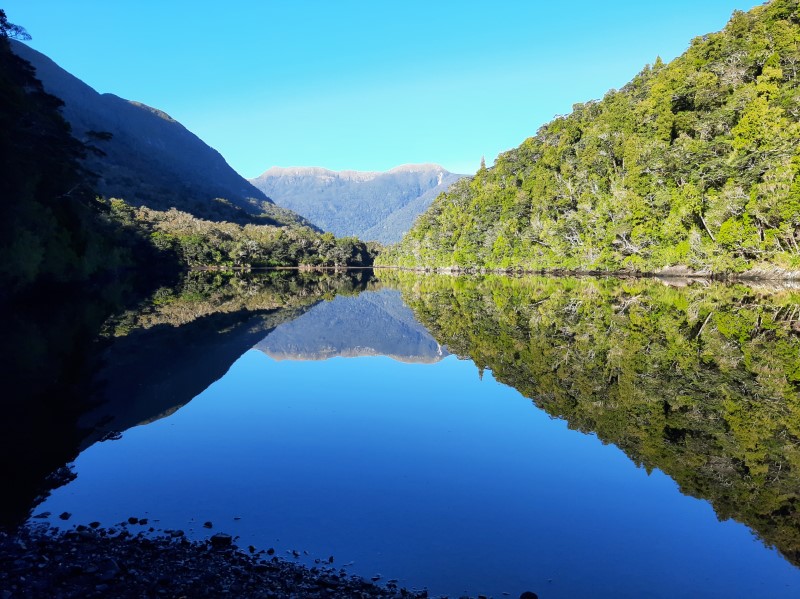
x,y
692,164
701,382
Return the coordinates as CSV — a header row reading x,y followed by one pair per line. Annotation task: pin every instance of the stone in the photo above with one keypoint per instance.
x,y
221,540
65,516
529,595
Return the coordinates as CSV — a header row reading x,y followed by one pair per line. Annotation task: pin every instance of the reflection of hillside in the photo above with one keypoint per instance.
x,y
371,324
186,338
702,383
70,387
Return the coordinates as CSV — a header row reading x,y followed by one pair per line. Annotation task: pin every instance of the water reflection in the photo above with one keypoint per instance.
x,y
426,470
76,370
700,381
372,324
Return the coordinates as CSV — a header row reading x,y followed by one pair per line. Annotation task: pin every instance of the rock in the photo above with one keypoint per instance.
x,y
176,534
133,520
529,595
42,515
142,521
221,540
65,516
110,569
207,525
94,524
270,551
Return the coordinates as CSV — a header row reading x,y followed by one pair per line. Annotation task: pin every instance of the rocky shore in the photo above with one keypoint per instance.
x,y
127,561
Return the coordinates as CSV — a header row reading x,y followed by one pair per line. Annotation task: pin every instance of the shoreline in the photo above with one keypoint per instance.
x,y
777,275
128,561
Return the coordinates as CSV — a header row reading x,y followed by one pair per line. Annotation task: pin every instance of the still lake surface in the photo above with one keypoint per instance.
x,y
576,438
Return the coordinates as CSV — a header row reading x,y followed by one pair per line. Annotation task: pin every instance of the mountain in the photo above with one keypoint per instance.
x,y
374,323
378,206
692,164
151,159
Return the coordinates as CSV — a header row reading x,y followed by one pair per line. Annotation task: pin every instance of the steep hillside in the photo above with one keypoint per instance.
x,y
150,159
51,228
692,163
378,206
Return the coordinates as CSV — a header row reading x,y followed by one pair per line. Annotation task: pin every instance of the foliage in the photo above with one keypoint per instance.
x,y
702,383
693,163
200,243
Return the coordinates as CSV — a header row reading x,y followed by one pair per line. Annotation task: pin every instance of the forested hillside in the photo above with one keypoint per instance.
x,y
198,243
692,163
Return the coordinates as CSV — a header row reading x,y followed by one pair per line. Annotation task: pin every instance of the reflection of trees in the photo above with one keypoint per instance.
x,y
700,382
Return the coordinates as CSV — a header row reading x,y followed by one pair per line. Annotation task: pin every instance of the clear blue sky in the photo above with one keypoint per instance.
x,y
364,85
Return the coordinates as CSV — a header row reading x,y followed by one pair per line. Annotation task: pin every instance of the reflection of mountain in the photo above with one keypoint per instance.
x,y
374,323
702,383
67,386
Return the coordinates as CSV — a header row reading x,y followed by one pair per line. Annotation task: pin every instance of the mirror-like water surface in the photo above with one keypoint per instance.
x,y
669,470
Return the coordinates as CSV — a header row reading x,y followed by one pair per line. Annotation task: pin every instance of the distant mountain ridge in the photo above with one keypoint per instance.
x,y
151,159
371,205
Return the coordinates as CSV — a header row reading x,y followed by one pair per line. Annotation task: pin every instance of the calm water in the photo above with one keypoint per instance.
x,y
643,442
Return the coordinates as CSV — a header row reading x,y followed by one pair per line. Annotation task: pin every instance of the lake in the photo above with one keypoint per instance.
x,y
480,435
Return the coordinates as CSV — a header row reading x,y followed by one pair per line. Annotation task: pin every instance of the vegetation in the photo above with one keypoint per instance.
x,y
700,382
693,163
200,243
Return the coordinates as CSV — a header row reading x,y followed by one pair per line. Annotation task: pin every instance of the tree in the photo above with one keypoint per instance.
x,y
9,30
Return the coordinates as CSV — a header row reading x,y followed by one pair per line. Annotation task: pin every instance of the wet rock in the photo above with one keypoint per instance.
x,y
529,595
175,534
142,521
133,520
270,551
94,524
42,515
65,516
207,524
221,540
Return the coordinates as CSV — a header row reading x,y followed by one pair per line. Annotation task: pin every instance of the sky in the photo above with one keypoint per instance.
x,y
362,85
